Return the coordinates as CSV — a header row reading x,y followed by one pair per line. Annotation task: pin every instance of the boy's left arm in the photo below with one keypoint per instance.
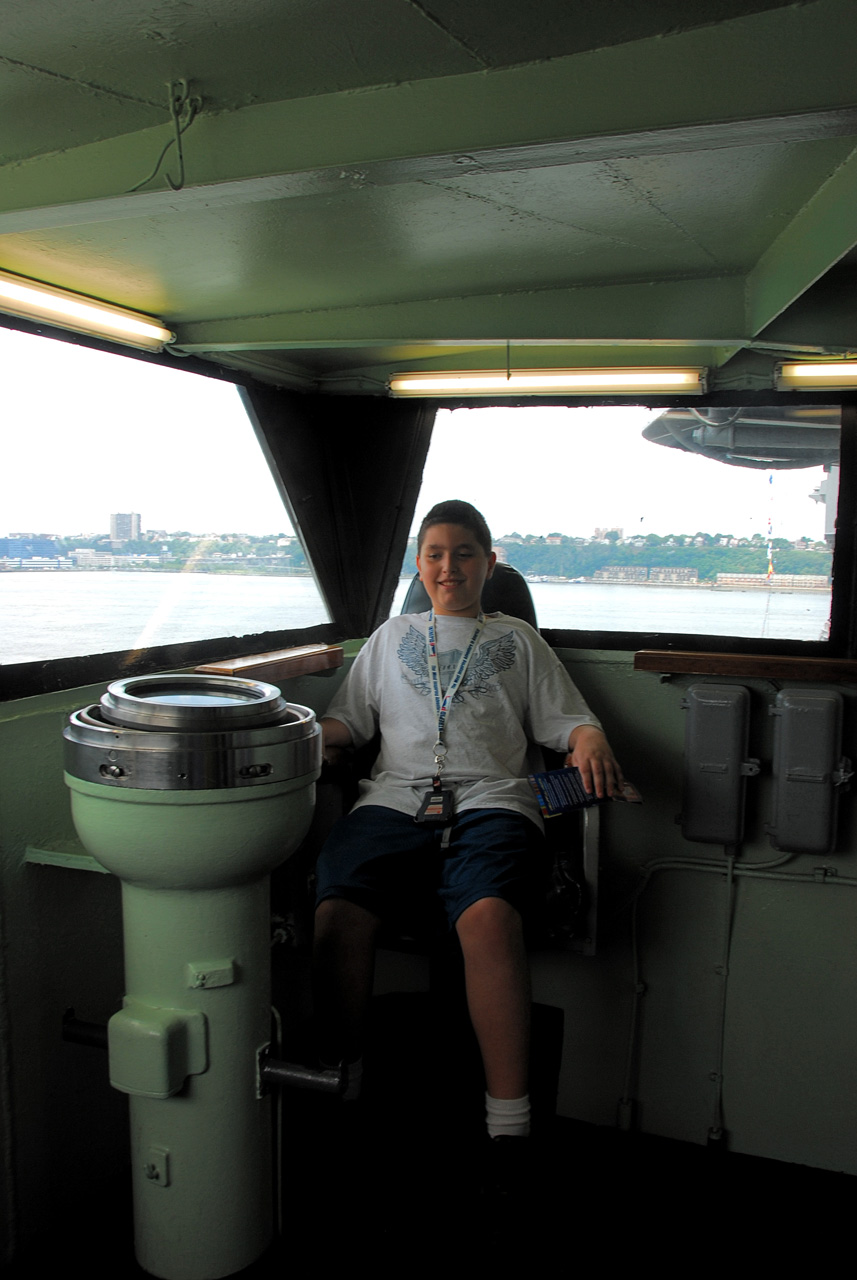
x,y
590,752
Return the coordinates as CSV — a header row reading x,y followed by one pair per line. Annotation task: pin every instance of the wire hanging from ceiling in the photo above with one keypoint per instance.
x,y
183,108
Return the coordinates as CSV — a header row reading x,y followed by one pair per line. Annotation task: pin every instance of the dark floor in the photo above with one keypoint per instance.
x,y
397,1181
403,1206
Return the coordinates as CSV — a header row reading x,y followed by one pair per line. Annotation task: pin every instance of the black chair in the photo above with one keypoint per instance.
x,y
506,591
424,1028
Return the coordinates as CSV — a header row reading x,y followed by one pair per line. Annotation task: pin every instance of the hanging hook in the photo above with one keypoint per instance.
x,y
183,109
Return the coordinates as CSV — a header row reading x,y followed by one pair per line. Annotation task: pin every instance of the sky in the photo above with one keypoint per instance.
x,y
89,433
547,470
98,433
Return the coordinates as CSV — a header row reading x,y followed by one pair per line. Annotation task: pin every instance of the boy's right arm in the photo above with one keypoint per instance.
x,y
355,701
334,734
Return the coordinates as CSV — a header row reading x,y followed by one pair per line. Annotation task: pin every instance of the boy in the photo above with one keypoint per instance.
x,y
456,696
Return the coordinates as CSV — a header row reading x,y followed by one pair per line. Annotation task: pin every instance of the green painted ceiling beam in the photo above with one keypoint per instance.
x,y
685,311
791,68
821,233
131,155
373,379
326,369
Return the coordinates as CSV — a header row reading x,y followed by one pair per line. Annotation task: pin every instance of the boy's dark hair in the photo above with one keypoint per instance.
x,y
454,511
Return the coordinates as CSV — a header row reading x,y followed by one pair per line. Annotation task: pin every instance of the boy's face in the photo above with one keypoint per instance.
x,y
453,569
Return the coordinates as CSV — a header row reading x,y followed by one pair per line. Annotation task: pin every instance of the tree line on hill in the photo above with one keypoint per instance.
x,y
571,560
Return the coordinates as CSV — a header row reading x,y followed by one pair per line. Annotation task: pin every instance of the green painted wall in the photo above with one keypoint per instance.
x,y
791,1021
62,948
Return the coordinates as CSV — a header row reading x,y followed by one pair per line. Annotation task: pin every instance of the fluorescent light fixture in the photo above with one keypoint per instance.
x,y
840,373
36,301
549,382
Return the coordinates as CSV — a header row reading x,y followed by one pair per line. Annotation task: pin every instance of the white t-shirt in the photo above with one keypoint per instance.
x,y
515,692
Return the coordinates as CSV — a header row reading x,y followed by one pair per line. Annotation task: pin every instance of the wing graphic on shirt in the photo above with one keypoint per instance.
x,y
412,652
490,658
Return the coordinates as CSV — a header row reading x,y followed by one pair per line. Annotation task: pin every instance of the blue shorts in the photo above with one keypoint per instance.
x,y
394,867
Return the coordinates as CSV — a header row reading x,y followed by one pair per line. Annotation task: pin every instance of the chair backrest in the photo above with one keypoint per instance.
x,y
506,591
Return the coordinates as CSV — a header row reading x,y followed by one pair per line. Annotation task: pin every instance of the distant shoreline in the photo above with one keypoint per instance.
x,y
247,571
705,585
263,571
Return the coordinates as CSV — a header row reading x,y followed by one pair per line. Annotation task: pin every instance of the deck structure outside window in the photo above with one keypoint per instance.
x,y
702,522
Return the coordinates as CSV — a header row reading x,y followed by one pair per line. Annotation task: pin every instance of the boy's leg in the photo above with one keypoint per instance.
x,y
343,969
497,980
493,876
369,864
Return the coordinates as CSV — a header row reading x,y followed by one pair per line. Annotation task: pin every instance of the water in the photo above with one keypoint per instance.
x,y
589,606
56,615
62,615
798,615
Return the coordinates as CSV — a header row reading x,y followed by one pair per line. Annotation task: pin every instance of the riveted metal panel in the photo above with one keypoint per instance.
x,y
715,752
807,749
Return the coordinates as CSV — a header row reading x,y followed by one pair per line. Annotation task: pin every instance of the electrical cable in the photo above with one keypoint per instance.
x,y
183,111
767,870
278,1123
716,1130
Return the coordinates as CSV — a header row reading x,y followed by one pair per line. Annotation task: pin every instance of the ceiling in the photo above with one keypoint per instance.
x,y
398,185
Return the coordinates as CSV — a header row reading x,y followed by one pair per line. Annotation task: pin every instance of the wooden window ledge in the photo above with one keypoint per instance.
x,y
279,664
745,665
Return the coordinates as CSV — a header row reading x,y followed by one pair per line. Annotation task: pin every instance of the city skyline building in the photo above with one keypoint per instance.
x,y
125,526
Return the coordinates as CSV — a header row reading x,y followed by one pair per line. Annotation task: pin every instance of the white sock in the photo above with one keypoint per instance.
x,y
507,1117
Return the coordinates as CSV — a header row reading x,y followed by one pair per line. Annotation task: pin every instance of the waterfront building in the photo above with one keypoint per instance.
x,y
666,573
776,581
621,573
125,526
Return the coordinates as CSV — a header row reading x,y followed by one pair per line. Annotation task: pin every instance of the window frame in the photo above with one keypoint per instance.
x,y
54,675
842,642
20,680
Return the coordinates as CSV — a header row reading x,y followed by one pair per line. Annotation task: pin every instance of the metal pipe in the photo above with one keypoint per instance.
x,y
201,1164
184,792
273,1072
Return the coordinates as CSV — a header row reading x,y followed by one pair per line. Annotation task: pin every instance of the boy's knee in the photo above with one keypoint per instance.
x,y
344,918
489,919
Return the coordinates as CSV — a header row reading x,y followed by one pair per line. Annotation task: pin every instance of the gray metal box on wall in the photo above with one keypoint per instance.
x,y
808,770
715,763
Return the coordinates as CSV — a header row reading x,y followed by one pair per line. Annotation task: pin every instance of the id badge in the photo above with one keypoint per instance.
x,y
437,806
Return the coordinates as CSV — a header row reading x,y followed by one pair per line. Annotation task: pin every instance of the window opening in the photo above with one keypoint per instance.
x,y
136,509
702,522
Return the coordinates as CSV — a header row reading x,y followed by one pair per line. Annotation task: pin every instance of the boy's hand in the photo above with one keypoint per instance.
x,y
589,751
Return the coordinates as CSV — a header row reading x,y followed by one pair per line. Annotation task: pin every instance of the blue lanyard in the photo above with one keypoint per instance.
x,y
443,701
